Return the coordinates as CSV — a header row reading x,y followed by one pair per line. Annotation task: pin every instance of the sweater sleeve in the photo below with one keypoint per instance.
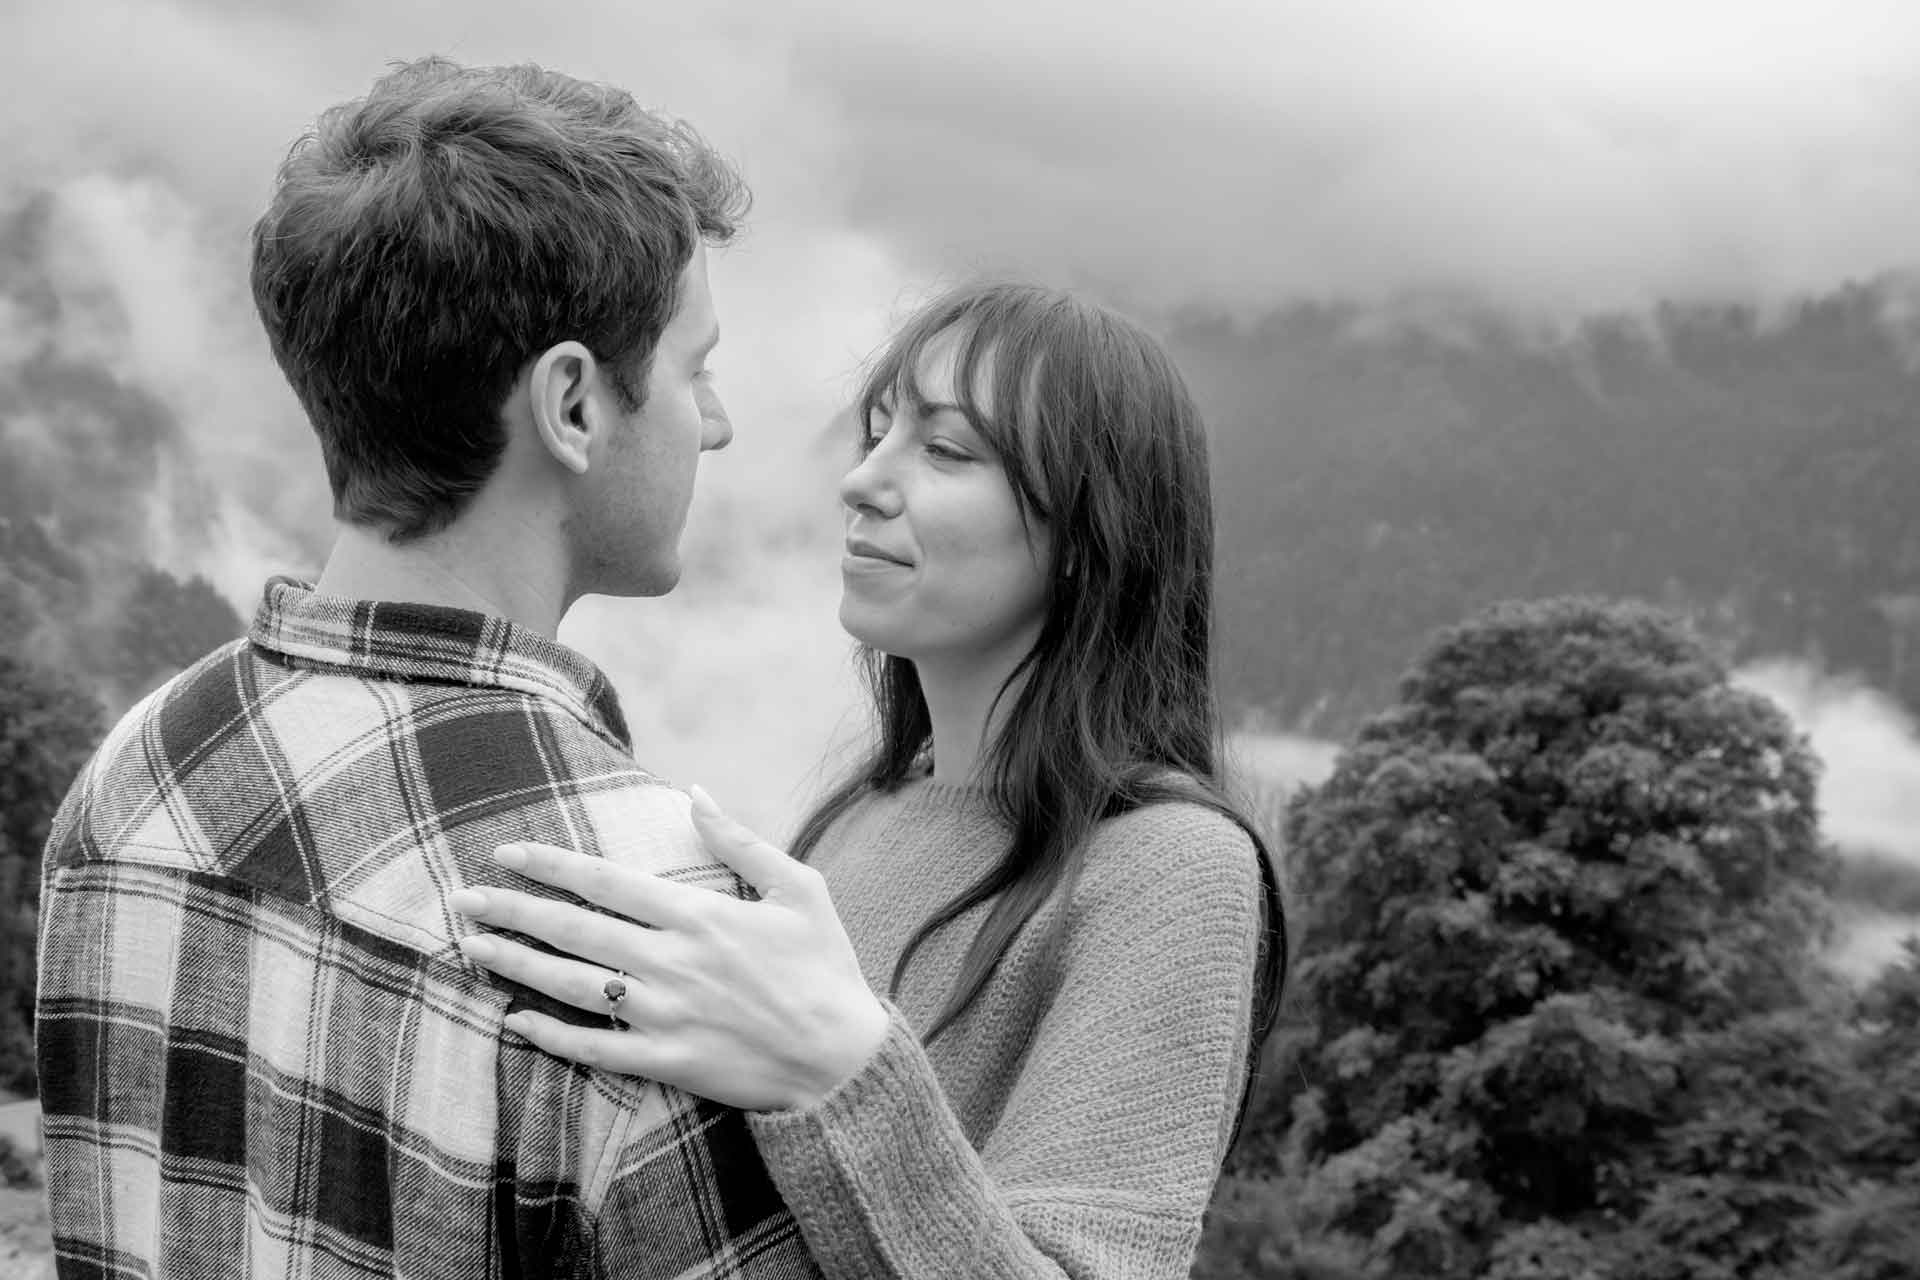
x,y
1104,1156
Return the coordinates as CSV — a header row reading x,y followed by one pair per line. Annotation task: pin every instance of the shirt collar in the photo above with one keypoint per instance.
x,y
393,640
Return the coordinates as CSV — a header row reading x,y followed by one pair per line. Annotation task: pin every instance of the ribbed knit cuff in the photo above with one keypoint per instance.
x,y
858,1162
895,1085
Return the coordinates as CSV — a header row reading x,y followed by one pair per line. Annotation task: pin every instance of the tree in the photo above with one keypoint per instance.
x,y
1874,1234
47,730
164,625
1563,904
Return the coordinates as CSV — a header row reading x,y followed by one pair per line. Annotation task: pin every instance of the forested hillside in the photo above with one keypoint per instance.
x,y
1380,479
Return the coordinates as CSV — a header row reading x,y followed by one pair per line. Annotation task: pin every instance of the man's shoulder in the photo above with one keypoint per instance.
x,y
186,695
321,718
311,781
125,759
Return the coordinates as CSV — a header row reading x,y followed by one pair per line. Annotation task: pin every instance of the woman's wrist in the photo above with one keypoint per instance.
x,y
850,1047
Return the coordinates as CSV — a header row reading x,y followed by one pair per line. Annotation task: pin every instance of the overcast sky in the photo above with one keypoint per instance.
x,y
1571,153
1540,154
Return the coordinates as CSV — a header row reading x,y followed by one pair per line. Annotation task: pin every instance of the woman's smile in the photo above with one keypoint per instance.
x,y
857,564
868,558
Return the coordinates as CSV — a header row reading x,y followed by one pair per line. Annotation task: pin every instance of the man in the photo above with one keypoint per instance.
x,y
260,1050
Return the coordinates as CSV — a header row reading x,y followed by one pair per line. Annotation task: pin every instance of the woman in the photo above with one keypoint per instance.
x,y
1078,937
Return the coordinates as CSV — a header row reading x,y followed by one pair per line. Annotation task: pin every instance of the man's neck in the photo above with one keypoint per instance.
x,y
459,568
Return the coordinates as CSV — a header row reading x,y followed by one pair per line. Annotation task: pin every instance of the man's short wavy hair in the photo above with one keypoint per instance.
x,y
428,240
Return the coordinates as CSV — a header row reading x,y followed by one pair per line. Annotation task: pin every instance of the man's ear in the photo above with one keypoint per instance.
x,y
559,387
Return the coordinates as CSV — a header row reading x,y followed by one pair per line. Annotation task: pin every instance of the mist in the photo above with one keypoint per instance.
x,y
1869,792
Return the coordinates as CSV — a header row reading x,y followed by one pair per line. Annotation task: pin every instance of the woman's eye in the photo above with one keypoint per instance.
x,y
947,451
875,430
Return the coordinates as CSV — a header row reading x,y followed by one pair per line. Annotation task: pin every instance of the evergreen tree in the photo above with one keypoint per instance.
x,y
165,625
47,730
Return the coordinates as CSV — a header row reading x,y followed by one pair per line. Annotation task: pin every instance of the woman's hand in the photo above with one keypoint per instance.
x,y
759,1005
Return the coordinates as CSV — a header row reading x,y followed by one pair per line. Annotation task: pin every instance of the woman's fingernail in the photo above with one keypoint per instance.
x,y
515,1023
701,800
510,855
468,902
476,947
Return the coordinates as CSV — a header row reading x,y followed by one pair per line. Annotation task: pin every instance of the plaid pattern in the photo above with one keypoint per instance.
x,y
260,1052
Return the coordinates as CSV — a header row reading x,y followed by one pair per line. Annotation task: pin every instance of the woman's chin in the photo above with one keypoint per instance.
x,y
857,622
872,633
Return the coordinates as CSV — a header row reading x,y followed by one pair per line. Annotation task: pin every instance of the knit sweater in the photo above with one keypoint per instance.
x,y
1072,1122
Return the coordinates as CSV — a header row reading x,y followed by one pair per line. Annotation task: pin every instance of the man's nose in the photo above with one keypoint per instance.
x,y
716,428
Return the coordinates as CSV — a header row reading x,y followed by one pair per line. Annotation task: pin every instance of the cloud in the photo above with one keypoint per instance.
x,y
1579,155
1551,156
143,395
748,692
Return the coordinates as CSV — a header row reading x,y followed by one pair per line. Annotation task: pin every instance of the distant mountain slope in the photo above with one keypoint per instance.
x,y
1378,480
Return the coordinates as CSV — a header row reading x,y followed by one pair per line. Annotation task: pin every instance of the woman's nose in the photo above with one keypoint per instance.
x,y
869,487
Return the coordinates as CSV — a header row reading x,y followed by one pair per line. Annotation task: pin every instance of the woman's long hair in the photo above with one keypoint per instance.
x,y
1114,708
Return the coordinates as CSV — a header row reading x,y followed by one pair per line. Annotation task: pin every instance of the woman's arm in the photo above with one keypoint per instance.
x,y
1104,1157
1105,1150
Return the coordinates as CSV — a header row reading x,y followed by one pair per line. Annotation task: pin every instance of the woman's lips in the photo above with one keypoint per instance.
x,y
862,562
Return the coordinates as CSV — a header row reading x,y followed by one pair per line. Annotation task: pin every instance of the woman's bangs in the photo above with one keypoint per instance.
x,y
894,375
1012,367
979,366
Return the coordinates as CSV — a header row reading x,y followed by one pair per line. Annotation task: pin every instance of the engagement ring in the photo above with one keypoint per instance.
x,y
615,990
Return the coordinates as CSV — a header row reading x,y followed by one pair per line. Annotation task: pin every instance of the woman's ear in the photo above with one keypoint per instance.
x,y
560,403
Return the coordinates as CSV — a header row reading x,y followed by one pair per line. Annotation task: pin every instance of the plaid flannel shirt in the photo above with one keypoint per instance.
x,y
260,1052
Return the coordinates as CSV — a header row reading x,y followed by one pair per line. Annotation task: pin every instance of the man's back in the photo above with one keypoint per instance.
x,y
260,1051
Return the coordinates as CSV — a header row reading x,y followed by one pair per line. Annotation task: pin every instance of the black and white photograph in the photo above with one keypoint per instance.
x,y
1030,640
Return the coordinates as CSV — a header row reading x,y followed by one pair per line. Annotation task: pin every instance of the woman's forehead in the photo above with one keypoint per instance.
x,y
933,373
